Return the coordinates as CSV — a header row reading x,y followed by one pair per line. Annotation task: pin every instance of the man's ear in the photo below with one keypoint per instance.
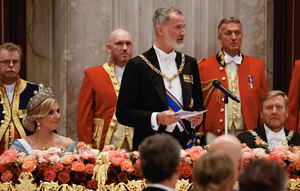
x,y
108,47
160,30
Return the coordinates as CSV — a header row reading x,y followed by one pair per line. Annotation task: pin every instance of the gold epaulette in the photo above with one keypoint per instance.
x,y
208,86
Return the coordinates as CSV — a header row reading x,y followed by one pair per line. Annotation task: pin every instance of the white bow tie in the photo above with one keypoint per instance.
x,y
170,56
237,59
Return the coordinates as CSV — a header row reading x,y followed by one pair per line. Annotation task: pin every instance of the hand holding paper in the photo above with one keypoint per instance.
x,y
195,117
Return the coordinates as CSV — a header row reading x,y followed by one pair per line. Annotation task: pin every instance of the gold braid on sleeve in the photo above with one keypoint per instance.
x,y
208,86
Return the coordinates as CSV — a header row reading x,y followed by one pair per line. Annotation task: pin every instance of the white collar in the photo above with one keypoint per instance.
x,y
163,187
163,56
229,59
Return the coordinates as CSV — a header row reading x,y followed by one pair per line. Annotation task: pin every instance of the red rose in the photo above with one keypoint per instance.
x,y
80,176
6,176
186,171
43,167
63,177
57,167
2,168
122,177
92,184
49,175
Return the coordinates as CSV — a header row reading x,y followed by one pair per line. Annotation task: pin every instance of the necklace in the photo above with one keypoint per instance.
x,y
162,74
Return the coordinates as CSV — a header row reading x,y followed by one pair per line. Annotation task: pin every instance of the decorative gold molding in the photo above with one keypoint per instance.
x,y
26,180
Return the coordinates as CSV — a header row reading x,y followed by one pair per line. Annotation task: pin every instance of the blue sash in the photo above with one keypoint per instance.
x,y
174,105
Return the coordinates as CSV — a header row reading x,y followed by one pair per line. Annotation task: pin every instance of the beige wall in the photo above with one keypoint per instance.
x,y
64,37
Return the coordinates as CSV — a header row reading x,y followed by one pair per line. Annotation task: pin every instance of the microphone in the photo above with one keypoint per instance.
x,y
217,84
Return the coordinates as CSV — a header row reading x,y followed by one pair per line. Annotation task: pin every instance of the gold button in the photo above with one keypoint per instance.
x,y
222,99
233,117
222,110
127,134
112,76
223,78
114,120
221,121
2,121
219,130
1,102
221,68
3,112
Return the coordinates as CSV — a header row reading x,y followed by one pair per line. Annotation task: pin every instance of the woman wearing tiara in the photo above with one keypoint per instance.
x,y
43,118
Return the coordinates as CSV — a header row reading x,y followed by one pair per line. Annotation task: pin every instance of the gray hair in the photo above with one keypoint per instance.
x,y
228,20
161,15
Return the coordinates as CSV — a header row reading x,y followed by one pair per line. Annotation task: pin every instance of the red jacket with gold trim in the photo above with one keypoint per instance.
x,y
96,118
210,69
294,99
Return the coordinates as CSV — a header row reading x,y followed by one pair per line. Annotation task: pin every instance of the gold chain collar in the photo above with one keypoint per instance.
x,y
162,74
265,145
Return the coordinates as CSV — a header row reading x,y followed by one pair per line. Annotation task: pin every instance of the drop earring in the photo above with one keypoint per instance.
x,y
38,125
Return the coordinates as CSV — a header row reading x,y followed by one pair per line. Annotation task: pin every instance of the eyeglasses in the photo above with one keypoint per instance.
x,y
8,62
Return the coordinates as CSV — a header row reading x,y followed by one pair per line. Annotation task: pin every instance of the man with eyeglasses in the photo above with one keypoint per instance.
x,y
274,113
241,74
14,94
96,120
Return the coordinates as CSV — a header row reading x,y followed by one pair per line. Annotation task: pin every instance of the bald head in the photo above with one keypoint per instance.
x,y
120,46
230,145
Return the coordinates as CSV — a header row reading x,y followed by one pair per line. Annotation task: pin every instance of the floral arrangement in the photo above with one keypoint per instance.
x,y
289,157
49,165
78,167
123,166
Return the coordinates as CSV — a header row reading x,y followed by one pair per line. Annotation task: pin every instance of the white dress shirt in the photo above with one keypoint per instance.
x,y
232,63
275,138
119,72
10,90
163,187
168,67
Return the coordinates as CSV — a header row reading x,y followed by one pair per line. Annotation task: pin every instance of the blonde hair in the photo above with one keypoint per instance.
x,y
29,121
9,46
271,94
214,171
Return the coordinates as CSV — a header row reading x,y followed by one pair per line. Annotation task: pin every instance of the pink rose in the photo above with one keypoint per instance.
x,y
67,159
54,159
29,166
78,166
88,154
116,157
9,156
126,165
196,152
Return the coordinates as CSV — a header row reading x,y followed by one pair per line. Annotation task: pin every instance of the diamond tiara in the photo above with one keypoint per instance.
x,y
39,97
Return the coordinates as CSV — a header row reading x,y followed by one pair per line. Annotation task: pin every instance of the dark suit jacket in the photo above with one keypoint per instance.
x,y
143,92
249,139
